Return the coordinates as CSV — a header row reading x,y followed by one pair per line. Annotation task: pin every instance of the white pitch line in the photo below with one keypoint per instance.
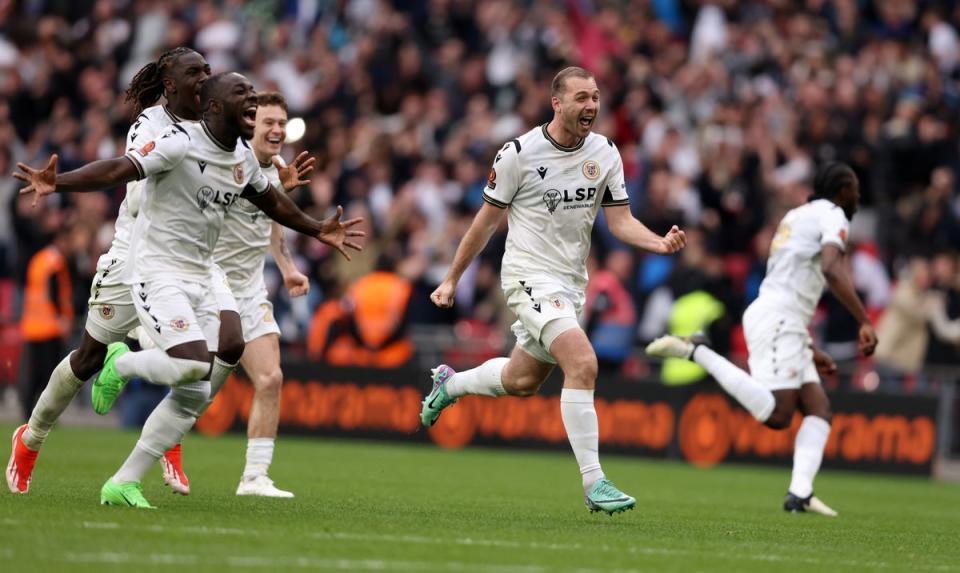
x,y
510,544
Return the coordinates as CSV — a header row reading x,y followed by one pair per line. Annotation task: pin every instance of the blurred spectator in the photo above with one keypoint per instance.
x,y
47,316
902,332
609,312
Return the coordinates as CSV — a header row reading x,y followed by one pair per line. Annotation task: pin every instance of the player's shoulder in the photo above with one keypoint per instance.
x,y
601,145
823,208
518,145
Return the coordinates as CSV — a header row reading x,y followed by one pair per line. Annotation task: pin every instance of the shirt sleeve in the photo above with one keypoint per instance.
x,y
258,182
834,228
142,131
503,182
615,186
161,154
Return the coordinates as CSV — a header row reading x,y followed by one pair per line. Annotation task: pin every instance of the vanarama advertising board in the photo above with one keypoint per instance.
x,y
698,423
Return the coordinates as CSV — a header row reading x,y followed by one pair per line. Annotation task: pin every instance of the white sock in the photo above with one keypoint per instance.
x,y
484,380
259,456
219,374
808,453
60,390
165,428
583,431
752,395
156,366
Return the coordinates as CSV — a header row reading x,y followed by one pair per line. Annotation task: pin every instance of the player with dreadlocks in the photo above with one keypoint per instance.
x,y
177,76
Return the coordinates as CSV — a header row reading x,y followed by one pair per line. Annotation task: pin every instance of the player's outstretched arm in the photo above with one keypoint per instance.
x,y
628,229
476,238
90,177
840,281
331,231
296,282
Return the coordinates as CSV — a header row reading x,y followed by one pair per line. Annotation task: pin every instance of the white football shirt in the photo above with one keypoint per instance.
x,y
191,181
553,194
147,126
242,248
794,280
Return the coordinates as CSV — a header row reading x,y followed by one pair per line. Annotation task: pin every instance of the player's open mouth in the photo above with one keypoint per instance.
x,y
275,140
250,116
586,121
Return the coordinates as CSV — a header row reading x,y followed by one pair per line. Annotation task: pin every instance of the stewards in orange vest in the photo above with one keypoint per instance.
x,y
47,318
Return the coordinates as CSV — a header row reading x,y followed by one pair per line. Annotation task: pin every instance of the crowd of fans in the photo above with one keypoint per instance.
x,y
721,110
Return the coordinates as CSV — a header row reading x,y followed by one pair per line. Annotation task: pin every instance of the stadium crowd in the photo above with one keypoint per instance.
x,y
721,111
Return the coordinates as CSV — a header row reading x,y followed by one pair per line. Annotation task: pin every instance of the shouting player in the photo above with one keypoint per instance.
x,y
807,253
194,173
177,76
552,181
240,255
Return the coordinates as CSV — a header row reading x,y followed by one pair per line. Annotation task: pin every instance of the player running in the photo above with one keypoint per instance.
x,y
194,173
807,253
240,254
552,181
177,75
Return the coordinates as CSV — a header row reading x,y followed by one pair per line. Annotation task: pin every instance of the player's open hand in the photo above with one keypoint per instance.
x,y
867,339
824,363
39,181
443,295
294,175
297,284
673,241
337,233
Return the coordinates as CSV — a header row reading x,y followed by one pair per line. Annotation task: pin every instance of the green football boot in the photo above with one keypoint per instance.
x,y
604,496
437,399
129,494
109,384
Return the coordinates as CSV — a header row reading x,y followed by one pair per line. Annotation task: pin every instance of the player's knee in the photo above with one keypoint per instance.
x,y
87,360
230,349
269,382
583,369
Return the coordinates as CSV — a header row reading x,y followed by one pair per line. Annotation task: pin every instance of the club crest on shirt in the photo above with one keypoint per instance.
x,y
238,173
107,311
557,302
843,235
180,324
146,149
591,169
204,197
492,179
552,199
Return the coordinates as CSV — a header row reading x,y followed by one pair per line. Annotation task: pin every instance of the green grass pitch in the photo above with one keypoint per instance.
x,y
365,506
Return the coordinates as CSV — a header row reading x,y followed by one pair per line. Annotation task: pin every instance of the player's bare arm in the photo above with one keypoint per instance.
x,y
331,231
296,282
91,177
628,229
476,238
840,281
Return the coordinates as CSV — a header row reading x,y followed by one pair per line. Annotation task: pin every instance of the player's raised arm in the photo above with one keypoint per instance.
x,y
476,238
331,231
840,281
628,229
90,177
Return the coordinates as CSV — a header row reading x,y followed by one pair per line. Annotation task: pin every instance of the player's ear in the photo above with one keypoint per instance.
x,y
555,102
169,86
214,106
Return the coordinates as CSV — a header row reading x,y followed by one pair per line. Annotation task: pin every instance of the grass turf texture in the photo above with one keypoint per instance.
x,y
364,506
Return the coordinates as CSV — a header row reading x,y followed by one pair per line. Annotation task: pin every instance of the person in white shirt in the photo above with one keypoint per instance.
x,y
176,76
551,181
240,255
195,173
807,253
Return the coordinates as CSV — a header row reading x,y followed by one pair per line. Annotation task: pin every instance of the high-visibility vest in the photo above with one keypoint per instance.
x,y
691,313
42,315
